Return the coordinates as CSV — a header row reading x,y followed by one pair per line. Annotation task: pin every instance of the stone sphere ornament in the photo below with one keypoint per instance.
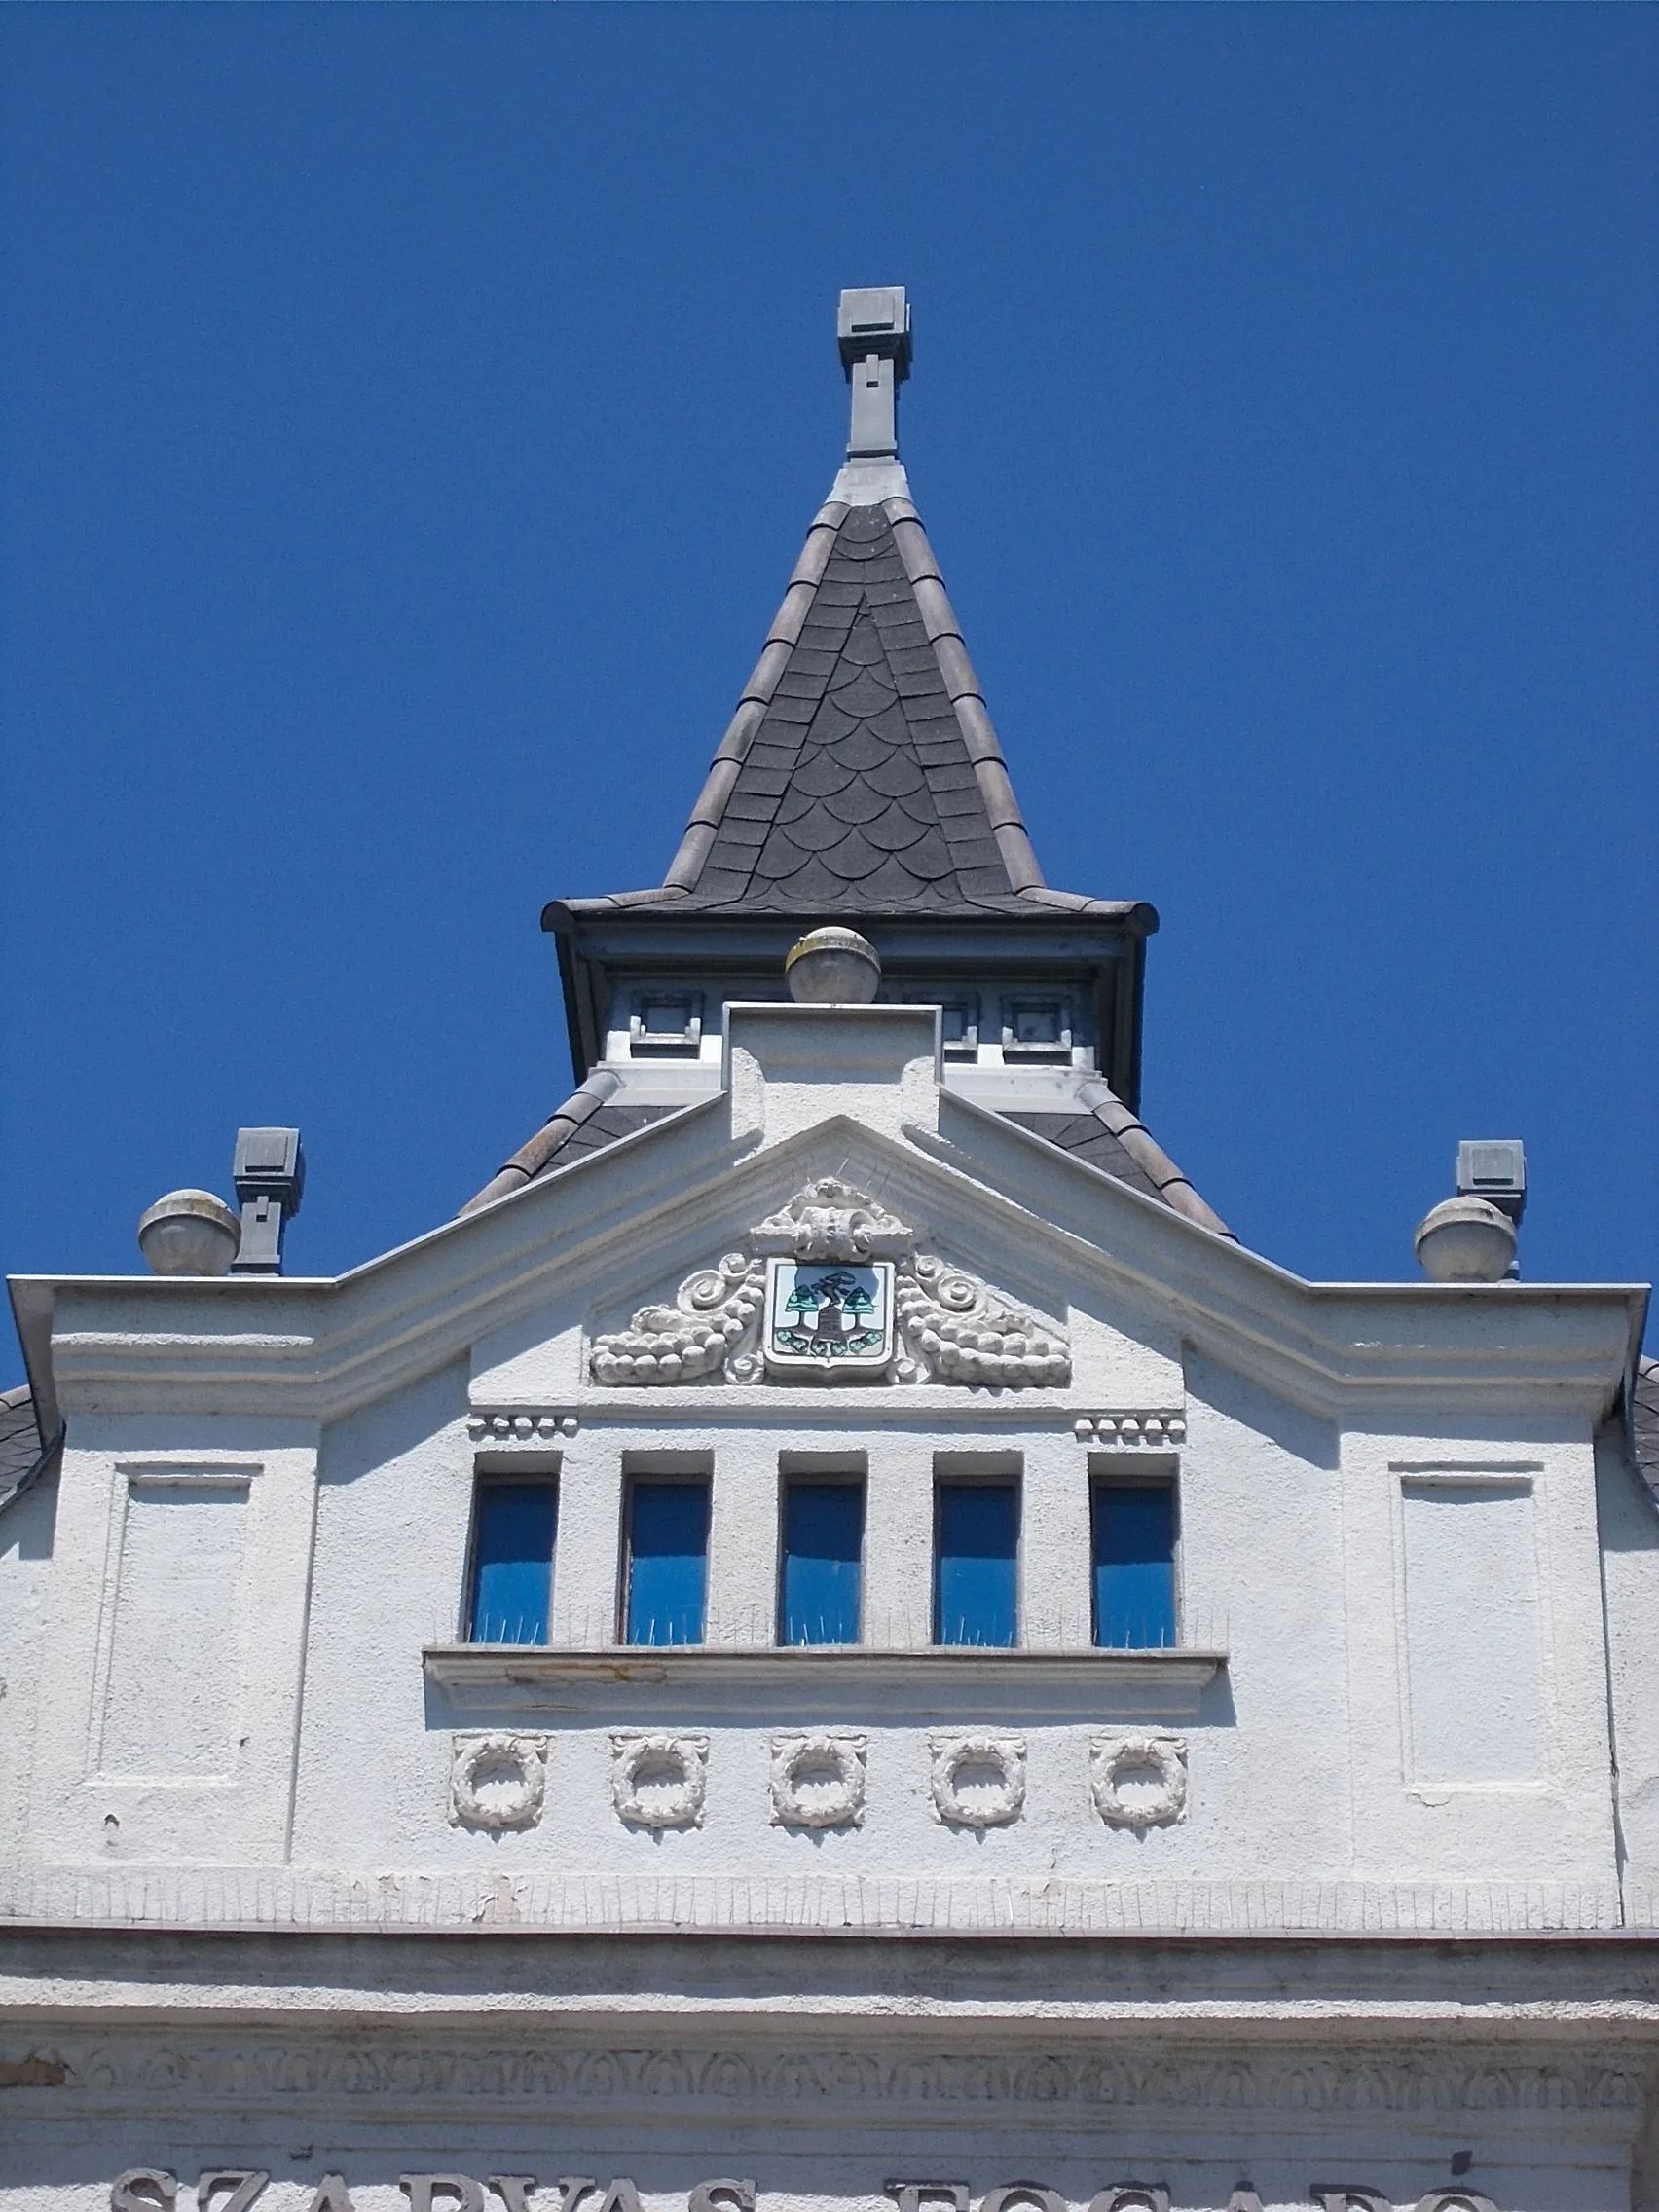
x,y
189,1233
833,966
1465,1241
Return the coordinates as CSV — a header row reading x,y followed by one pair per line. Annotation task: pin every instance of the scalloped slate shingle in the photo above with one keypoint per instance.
x,y
856,791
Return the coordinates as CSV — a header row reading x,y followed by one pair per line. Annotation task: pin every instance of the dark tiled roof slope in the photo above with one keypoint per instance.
x,y
1107,1135
860,773
23,1458
854,790
1088,1139
587,1121
19,1439
1644,1421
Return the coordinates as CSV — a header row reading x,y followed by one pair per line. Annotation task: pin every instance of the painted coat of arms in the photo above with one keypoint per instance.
x,y
827,1317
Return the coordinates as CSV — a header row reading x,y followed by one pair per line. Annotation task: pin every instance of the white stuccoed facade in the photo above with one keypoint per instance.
x,y
1352,1893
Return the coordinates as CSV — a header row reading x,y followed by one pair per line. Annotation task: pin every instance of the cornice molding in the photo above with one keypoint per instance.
x,y
391,2066
1344,1349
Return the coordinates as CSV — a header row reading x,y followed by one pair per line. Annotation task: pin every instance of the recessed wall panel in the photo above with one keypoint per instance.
x,y
1473,1639
172,1692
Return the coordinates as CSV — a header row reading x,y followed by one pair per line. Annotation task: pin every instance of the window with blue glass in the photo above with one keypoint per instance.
x,y
1134,1565
823,1551
513,1528
668,1561
976,1563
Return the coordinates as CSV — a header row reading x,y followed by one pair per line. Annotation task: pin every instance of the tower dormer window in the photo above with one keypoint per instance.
x,y
666,1022
1038,1027
959,1026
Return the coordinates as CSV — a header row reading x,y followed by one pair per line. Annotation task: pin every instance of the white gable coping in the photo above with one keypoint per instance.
x,y
814,1090
1332,1347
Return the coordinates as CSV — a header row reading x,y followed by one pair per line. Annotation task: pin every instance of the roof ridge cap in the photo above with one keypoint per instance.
x,y
962,686
1095,1095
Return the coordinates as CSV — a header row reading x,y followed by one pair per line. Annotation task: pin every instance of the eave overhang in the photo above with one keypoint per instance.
x,y
1098,945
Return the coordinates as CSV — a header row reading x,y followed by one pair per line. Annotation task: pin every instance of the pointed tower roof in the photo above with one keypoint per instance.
x,y
860,780
860,773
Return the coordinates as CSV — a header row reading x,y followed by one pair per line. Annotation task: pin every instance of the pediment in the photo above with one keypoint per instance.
x,y
674,1295
834,1287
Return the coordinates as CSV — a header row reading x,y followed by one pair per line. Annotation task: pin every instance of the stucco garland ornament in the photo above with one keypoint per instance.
x,y
818,1781
497,1781
949,1326
962,1768
703,1330
1112,1759
659,1780
962,1331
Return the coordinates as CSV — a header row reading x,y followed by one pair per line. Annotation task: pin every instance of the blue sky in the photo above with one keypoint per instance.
x,y
413,415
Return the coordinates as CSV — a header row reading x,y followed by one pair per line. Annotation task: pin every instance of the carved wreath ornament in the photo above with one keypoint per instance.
x,y
497,1779
659,1780
979,1782
818,1781
833,1288
1156,1764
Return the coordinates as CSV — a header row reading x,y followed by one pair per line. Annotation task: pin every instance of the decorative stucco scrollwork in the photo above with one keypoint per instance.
x,y
701,1332
963,1333
832,1221
950,1326
1112,1759
979,1782
497,1779
659,1780
818,1780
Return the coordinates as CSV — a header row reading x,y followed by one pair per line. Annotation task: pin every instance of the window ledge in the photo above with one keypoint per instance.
x,y
1153,1684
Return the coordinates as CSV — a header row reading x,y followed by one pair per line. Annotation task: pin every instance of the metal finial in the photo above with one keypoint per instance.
x,y
873,328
